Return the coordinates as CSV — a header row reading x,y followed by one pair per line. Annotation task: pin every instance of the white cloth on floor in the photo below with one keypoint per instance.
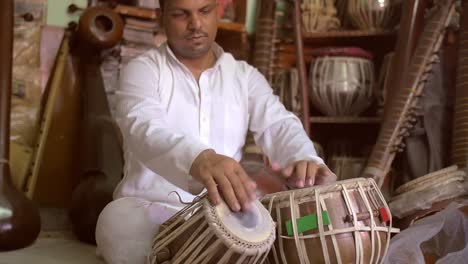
x,y
126,229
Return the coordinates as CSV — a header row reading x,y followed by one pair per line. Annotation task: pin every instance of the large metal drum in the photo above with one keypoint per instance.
x,y
341,81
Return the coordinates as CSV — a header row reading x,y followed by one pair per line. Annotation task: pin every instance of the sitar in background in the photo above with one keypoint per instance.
x,y
264,39
19,218
300,64
399,119
411,26
101,153
460,129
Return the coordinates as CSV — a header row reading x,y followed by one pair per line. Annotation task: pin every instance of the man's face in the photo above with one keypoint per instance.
x,y
190,26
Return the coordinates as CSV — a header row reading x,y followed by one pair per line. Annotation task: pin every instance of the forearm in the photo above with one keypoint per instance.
x,y
286,142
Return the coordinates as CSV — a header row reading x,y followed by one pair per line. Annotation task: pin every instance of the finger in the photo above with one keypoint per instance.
x,y
239,190
213,194
249,185
275,166
287,172
325,175
312,169
228,193
299,174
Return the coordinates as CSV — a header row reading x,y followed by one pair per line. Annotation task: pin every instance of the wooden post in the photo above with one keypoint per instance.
x,y
301,65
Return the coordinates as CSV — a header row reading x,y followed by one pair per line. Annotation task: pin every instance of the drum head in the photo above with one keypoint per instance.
x,y
445,175
254,226
342,52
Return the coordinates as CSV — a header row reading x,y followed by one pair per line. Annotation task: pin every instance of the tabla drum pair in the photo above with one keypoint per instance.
x,y
345,222
341,81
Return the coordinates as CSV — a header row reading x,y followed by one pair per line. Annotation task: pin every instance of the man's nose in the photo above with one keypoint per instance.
x,y
195,22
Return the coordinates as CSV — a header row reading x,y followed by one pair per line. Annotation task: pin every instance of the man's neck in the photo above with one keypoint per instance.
x,y
199,65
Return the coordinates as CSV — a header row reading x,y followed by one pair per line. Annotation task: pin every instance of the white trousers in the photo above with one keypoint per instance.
x,y
126,228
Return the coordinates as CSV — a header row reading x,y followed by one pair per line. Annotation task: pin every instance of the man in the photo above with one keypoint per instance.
x,y
184,111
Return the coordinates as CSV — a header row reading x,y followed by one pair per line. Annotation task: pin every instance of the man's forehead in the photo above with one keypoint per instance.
x,y
188,4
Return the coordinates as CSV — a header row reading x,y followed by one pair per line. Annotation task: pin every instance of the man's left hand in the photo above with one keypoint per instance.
x,y
306,173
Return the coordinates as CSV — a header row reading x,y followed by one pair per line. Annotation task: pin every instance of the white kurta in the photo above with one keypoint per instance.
x,y
167,119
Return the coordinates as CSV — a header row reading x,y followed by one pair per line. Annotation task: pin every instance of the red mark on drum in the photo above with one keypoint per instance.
x,y
381,212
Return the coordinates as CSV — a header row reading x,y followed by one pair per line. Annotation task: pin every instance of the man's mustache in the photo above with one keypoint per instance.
x,y
196,34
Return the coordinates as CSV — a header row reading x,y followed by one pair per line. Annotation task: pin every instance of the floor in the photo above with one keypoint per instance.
x,y
55,245
53,248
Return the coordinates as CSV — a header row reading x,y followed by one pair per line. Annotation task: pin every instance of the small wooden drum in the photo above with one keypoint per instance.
x,y
202,233
421,193
341,81
345,222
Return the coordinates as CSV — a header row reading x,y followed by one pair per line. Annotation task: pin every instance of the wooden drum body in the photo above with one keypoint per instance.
x,y
201,233
345,222
341,81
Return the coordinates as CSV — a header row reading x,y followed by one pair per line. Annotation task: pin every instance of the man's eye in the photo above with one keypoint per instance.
x,y
206,10
177,15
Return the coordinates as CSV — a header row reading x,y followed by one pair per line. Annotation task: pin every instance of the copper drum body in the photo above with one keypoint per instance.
x,y
202,233
373,14
100,27
341,81
345,236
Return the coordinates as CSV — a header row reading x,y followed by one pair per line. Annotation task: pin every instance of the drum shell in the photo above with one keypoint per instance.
x,y
187,236
176,244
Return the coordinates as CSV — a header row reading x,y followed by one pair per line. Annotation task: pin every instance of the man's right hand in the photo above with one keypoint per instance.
x,y
214,170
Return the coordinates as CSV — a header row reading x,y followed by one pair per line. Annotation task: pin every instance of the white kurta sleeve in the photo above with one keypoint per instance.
x,y
277,131
141,117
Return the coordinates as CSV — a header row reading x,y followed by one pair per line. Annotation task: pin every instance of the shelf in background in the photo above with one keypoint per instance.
x,y
344,120
378,43
230,26
348,36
